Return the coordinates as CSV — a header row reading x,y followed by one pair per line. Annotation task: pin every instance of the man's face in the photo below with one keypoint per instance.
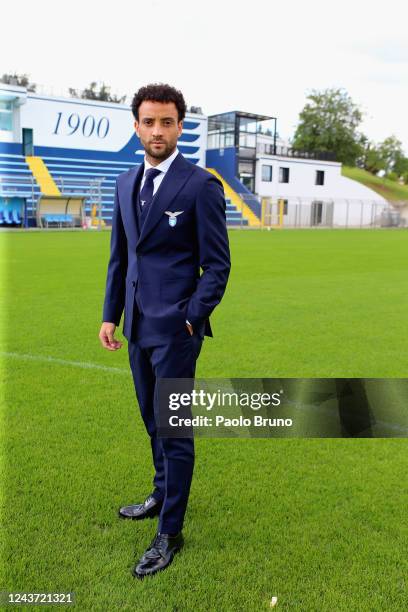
x,y
158,128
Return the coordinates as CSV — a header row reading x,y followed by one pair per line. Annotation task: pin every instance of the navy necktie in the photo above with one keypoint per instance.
x,y
146,194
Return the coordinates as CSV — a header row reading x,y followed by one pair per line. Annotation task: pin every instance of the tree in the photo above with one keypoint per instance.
x,y
92,93
22,80
371,158
387,156
328,123
391,152
401,167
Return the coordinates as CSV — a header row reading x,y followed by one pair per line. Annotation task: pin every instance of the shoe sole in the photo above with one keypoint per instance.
x,y
138,518
141,576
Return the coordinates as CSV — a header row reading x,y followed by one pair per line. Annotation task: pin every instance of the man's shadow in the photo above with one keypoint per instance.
x,y
355,417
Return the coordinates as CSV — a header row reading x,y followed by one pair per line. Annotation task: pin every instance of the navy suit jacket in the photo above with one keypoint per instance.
x,y
161,265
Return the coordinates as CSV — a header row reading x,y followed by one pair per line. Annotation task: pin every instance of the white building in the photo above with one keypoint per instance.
x,y
316,185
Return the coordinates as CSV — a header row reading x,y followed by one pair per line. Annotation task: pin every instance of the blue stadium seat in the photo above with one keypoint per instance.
x,y
7,217
58,218
15,217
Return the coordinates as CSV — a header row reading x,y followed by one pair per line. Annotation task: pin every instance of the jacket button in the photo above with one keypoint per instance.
x,y
133,284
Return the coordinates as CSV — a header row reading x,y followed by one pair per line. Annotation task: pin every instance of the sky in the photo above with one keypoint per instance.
x,y
260,56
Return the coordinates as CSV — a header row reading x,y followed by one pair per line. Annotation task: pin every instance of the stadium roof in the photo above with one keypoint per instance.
x,y
245,114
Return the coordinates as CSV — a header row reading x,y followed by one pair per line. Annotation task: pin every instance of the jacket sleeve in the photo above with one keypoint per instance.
x,y
214,253
117,268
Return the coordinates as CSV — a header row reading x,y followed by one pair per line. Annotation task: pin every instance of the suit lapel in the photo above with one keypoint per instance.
x,y
135,177
171,184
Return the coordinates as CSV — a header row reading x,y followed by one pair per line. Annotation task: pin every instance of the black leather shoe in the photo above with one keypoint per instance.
x,y
159,555
149,509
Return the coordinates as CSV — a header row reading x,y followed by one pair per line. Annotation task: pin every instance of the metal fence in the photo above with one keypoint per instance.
x,y
292,212
251,212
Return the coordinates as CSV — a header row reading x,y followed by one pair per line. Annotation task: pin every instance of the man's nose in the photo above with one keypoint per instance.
x,y
157,130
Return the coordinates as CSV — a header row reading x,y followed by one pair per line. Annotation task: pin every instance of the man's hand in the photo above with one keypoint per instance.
x,y
190,328
106,336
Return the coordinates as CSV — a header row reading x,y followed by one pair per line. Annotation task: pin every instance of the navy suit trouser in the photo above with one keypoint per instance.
x,y
173,458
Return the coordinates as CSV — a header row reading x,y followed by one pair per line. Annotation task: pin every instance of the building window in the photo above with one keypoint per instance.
x,y
220,140
319,180
266,174
6,116
284,175
221,131
245,167
247,140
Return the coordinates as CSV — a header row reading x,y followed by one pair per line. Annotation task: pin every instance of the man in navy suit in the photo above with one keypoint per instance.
x,y
168,223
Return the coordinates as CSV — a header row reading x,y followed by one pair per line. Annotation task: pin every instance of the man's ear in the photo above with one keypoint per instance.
x,y
180,127
136,124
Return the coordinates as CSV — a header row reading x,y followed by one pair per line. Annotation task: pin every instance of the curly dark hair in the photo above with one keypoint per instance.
x,y
159,92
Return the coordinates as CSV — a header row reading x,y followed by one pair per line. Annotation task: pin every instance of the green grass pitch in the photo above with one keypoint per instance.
x,y
319,523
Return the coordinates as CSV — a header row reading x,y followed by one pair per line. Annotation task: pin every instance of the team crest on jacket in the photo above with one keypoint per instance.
x,y
173,216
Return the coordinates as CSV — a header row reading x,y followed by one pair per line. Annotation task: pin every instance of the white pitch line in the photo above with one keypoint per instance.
x,y
64,362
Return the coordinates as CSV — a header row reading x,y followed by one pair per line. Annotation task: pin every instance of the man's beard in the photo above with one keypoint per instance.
x,y
162,154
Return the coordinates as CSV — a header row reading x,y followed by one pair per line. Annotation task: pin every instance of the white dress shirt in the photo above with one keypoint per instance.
x,y
163,167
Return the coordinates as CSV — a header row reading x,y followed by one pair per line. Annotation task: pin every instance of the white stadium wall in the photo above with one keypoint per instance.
x,y
87,126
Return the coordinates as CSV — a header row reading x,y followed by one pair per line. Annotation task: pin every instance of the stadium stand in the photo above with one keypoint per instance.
x,y
29,179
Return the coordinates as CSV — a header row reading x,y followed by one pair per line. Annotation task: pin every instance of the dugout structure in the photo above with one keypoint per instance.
x,y
60,211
